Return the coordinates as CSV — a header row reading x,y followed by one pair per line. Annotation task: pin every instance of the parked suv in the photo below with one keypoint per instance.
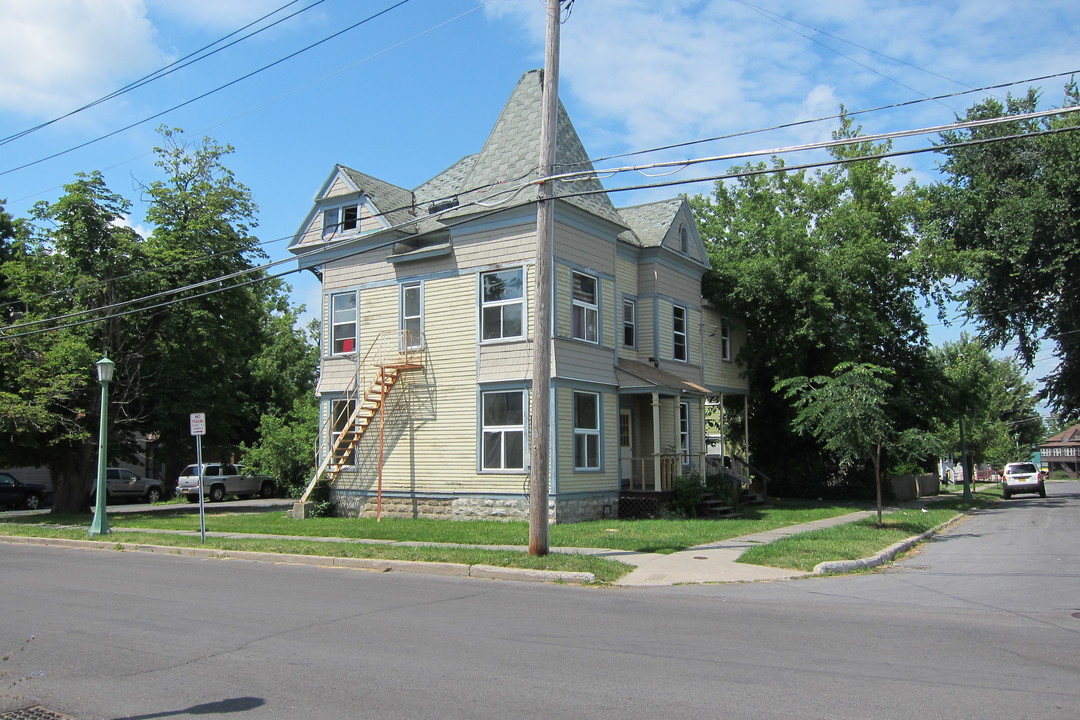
x,y
123,483
1021,477
221,479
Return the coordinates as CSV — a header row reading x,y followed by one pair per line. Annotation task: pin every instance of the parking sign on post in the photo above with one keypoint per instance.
x,y
198,429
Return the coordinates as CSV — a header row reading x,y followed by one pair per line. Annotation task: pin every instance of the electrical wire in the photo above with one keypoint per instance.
x,y
5,334
208,92
189,59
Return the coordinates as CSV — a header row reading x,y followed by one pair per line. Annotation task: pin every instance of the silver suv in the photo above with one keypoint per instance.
x,y
221,479
123,483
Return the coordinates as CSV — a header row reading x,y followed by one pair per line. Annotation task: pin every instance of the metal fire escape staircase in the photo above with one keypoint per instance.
x,y
385,360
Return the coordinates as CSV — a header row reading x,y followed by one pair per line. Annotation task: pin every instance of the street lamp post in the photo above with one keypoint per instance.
x,y
100,524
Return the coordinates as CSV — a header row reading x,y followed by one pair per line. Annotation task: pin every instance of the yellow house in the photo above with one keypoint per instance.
x,y
427,336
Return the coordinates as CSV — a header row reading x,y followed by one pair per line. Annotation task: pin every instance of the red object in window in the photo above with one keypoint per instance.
x,y
348,345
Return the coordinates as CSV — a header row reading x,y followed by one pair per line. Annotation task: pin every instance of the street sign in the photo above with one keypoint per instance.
x,y
198,423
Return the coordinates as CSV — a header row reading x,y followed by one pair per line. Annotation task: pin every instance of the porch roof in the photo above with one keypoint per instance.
x,y
637,377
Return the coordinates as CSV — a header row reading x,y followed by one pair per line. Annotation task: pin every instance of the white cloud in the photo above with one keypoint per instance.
x,y
58,54
217,15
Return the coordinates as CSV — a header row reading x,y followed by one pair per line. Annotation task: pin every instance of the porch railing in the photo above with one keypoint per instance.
x,y
639,473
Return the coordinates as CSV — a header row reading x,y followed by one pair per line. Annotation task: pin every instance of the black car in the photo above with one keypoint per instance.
x,y
17,494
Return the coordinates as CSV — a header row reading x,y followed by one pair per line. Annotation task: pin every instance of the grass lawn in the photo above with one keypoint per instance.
x,y
447,541
852,541
658,536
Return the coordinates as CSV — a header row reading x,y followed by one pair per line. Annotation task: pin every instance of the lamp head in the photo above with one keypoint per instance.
x,y
105,370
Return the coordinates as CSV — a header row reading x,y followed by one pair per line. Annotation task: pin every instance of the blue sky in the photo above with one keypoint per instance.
x,y
408,93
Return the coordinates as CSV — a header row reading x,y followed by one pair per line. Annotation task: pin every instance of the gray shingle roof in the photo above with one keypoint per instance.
x,y
397,203
499,174
649,223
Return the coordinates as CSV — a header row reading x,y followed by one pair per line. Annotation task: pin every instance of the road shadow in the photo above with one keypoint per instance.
x,y
218,707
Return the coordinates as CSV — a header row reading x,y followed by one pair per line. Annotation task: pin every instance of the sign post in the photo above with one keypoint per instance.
x,y
198,429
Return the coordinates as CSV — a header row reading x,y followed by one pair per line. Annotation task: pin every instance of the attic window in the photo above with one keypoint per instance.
x,y
684,240
343,219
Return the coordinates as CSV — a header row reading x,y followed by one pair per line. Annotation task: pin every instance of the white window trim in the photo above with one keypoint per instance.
x,y
683,430
417,342
335,228
335,433
334,323
588,310
676,334
585,433
503,430
501,304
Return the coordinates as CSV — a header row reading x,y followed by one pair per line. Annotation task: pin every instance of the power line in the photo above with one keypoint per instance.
x,y
509,193
172,67
845,113
208,92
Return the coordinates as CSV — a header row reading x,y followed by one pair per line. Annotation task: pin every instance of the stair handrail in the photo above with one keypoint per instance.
x,y
385,344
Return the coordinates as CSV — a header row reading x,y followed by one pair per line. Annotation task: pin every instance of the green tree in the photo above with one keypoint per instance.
x,y
997,405
1012,211
228,346
825,267
86,260
846,412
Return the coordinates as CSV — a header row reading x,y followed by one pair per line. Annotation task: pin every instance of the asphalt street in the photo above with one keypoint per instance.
x,y
979,623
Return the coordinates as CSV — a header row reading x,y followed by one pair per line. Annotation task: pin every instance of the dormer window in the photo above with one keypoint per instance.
x,y
342,219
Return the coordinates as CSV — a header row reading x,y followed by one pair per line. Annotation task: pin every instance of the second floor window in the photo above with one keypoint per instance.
x,y
412,315
678,318
629,319
725,339
502,305
343,323
584,309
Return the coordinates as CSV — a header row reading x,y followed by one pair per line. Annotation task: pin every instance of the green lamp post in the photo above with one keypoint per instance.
x,y
100,524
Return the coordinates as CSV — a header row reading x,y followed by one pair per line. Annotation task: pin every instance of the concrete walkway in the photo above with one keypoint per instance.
x,y
716,562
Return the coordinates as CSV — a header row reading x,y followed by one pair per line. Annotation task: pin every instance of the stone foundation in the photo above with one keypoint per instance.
x,y
568,510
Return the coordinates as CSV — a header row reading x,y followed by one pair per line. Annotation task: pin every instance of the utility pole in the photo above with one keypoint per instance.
x,y
540,398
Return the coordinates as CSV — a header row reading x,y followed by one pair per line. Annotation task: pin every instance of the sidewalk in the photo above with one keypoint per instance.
x,y
716,562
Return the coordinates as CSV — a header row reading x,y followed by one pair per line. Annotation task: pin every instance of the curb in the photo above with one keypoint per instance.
x,y
836,567
483,572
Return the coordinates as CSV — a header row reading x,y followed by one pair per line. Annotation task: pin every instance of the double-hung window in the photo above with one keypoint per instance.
x,y
684,432
679,337
586,431
342,219
343,322
503,430
585,310
725,339
502,304
412,315
629,319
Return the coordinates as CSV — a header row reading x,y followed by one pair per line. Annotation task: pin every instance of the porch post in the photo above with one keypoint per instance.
x,y
656,440
723,429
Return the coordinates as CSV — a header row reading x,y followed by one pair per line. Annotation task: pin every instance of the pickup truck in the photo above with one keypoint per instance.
x,y
221,479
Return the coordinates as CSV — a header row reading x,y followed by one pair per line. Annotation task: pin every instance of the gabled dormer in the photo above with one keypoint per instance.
x,y
350,204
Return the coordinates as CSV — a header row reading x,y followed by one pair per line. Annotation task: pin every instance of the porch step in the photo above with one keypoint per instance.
x,y
712,507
